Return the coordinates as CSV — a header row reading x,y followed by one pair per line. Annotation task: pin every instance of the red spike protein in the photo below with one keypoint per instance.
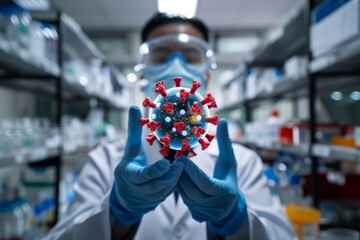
x,y
179,118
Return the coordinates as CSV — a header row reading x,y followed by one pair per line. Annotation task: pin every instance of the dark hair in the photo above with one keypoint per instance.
x,y
163,18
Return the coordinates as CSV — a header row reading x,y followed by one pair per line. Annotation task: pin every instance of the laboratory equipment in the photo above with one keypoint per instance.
x,y
305,221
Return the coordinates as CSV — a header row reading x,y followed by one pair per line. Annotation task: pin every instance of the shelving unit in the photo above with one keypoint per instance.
x,y
16,63
336,69
334,153
285,42
328,152
35,155
287,88
25,75
341,60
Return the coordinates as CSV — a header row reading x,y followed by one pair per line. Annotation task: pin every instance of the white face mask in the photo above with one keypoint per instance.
x,y
175,69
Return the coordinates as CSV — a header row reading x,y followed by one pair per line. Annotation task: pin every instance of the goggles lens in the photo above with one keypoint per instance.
x,y
158,51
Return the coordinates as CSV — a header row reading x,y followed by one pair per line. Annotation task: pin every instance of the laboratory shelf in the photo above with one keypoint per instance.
x,y
43,156
18,63
287,41
353,226
301,149
328,153
48,88
286,88
332,152
28,157
343,59
76,39
76,91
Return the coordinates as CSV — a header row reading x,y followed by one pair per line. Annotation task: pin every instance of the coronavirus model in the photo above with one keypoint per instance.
x,y
179,118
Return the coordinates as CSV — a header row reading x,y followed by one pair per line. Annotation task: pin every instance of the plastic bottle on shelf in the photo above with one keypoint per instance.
x,y
29,140
18,28
287,167
273,125
40,227
11,36
95,82
37,42
295,192
3,22
24,29
357,136
272,182
4,142
12,220
107,86
286,133
29,218
51,43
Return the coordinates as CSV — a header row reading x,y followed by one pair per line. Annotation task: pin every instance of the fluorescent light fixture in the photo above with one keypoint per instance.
x,y
186,8
355,95
239,44
337,96
34,5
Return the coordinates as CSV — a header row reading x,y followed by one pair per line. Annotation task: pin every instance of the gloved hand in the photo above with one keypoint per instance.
x,y
217,199
138,187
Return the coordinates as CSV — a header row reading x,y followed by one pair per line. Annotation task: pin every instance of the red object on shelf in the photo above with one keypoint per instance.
x,y
274,113
286,134
329,191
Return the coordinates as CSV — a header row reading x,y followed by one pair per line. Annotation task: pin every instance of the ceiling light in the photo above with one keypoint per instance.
x,y
34,5
355,95
186,8
239,44
337,96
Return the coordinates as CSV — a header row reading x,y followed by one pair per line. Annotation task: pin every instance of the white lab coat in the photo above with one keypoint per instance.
x,y
89,218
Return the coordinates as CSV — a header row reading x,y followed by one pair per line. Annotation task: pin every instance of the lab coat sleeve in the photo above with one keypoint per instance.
x,y
90,208
266,217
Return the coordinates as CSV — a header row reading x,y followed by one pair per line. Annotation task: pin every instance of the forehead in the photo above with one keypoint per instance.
x,y
174,28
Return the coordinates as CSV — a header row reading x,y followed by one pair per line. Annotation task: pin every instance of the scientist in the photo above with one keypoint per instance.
x,y
129,191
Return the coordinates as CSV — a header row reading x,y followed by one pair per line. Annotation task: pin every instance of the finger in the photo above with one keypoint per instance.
x,y
166,184
205,183
161,187
226,161
189,190
224,141
138,174
133,144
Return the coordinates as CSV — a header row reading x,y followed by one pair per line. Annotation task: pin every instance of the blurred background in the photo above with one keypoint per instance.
x,y
286,79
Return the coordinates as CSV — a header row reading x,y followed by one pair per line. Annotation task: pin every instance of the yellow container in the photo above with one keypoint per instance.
x,y
305,221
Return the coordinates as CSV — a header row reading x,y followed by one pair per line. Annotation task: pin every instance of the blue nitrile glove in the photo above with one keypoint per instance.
x,y
138,187
217,199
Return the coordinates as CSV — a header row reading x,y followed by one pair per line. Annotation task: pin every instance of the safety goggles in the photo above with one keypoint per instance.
x,y
158,52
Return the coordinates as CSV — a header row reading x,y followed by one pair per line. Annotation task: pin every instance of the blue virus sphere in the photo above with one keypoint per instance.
x,y
181,113
179,118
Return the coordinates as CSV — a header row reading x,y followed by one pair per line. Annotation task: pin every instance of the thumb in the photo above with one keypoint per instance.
x,y
133,143
226,162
